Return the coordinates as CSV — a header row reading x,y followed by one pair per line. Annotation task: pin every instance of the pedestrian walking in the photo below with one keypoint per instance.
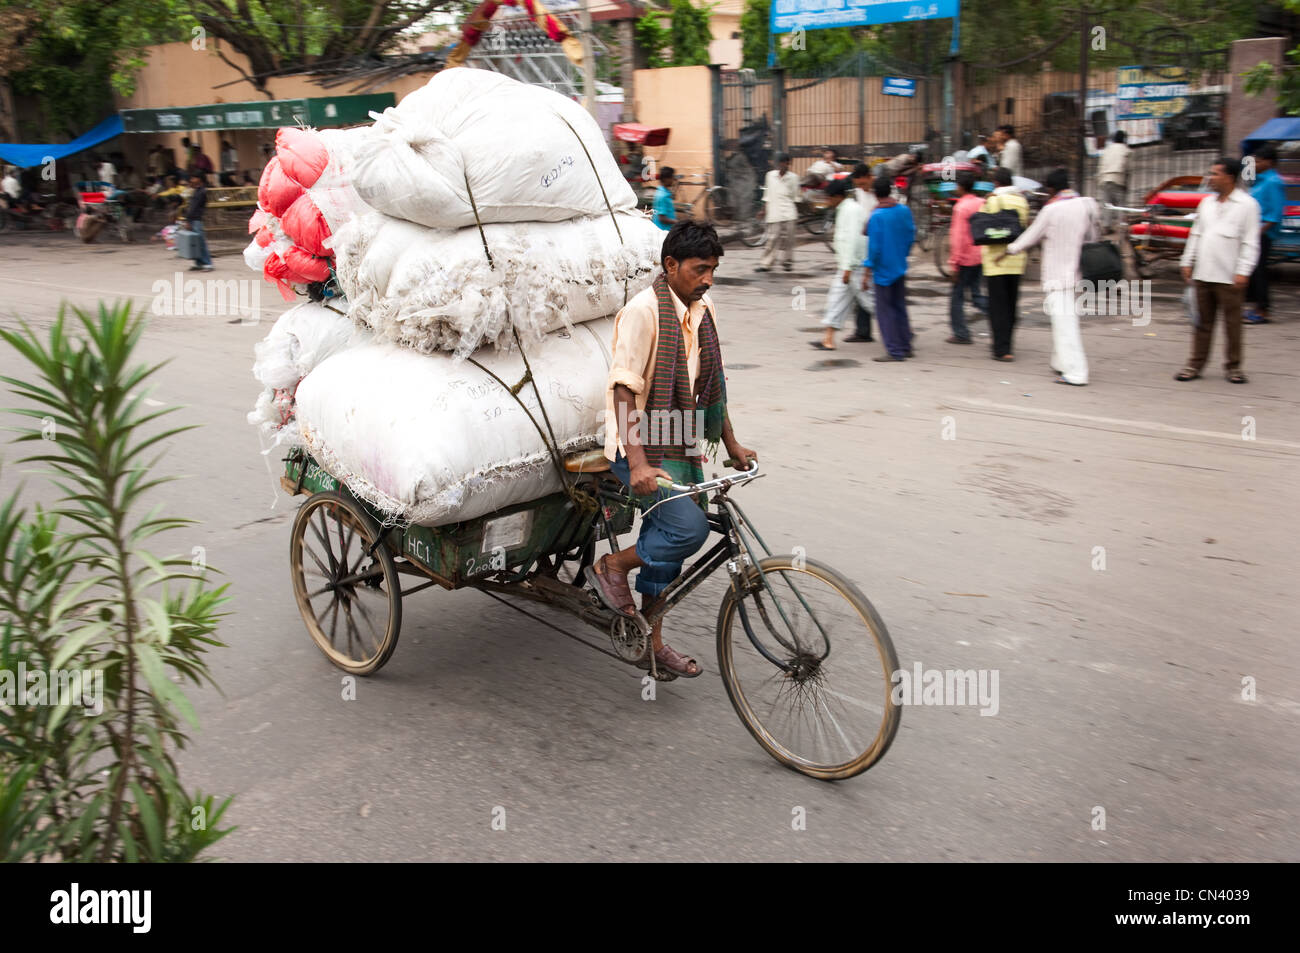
x,y
781,198
1064,224
1222,251
964,259
846,293
1003,271
1112,174
665,211
194,216
890,233
1270,193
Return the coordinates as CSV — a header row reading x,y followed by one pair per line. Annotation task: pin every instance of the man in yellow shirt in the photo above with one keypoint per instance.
x,y
665,400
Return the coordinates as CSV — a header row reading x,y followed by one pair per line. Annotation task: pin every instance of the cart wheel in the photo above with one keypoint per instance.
x,y
1141,262
349,597
719,207
924,215
808,666
753,232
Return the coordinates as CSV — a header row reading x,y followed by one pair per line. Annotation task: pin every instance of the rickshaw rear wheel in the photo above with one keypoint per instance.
x,y
816,691
345,582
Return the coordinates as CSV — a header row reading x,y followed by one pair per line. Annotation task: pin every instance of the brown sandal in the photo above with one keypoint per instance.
x,y
669,659
611,588
1187,374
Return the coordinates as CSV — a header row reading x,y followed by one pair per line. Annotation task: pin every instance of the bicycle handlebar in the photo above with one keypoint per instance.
x,y
716,483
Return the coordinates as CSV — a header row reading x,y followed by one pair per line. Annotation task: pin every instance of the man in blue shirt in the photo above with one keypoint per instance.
x,y
1270,193
890,233
665,213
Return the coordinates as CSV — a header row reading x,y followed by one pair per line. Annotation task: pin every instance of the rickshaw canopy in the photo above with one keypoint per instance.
x,y
641,134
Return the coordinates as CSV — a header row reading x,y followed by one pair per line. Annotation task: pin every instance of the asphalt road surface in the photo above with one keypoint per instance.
x,y
1121,694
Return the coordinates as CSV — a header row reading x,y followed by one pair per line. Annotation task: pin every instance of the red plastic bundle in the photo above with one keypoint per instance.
x,y
302,155
305,224
264,236
307,267
276,192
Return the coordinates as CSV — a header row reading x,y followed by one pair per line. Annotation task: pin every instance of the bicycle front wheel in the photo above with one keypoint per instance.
x,y
807,663
941,249
719,207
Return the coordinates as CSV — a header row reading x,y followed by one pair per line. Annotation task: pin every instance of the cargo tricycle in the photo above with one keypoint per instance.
x,y
805,659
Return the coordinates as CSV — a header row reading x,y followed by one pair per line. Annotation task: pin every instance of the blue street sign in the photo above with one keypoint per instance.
x,y
788,15
897,86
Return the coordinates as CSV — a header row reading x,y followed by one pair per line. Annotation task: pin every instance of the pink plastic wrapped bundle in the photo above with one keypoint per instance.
x,y
302,155
305,224
277,191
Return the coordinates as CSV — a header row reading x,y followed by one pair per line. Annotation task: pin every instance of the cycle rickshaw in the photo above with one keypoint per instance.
x,y
805,659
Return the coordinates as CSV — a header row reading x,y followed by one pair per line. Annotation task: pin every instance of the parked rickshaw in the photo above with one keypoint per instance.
x,y
1158,230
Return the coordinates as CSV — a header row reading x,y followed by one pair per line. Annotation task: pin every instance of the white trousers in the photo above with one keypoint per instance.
x,y
1068,358
841,297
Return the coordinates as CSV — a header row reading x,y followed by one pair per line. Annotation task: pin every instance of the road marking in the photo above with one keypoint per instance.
x,y
1119,421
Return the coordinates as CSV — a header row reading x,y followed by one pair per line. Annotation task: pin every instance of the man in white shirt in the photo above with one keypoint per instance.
x,y
107,172
1112,173
1009,155
11,186
1222,250
850,246
781,199
826,166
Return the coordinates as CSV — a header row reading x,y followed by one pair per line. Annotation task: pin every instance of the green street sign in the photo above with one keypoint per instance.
x,y
320,112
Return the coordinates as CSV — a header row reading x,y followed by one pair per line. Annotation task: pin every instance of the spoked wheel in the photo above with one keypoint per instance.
x,y
720,207
350,598
811,679
754,231
924,216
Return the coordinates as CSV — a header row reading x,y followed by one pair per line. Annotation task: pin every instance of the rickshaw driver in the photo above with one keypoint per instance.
x,y
666,366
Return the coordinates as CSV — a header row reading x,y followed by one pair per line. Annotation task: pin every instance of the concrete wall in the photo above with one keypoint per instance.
x,y
680,98
1246,113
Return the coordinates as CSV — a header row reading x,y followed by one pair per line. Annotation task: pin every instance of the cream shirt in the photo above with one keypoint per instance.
x,y
781,193
636,338
1224,240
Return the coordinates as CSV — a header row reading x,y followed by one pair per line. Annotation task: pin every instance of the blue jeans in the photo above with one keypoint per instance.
x,y
204,257
669,534
967,277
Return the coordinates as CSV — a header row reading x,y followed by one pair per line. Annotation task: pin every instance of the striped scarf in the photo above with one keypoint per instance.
x,y
681,424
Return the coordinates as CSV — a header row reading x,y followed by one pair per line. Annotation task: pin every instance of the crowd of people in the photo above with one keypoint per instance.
x,y
1224,262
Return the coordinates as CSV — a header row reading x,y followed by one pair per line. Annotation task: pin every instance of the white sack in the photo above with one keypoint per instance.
x,y
528,154
434,289
432,440
300,339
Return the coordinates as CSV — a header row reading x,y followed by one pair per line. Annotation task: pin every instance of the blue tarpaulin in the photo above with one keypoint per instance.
x,y
25,156
1285,127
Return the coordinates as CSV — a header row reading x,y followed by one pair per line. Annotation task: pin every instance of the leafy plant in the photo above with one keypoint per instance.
x,y
680,37
93,778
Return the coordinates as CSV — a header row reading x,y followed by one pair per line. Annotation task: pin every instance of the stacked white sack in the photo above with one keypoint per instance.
x,y
431,440
435,289
300,339
474,140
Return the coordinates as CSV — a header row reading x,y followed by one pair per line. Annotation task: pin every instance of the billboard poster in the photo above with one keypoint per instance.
x,y
1152,93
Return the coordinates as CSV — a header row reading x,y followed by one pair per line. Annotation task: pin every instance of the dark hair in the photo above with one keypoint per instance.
x,y
1230,166
966,180
691,239
667,172
1267,151
861,171
1120,136
1057,180
882,186
839,187
1002,175
1009,129
783,157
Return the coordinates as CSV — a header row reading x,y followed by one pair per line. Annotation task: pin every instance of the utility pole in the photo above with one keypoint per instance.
x,y
588,60
1083,99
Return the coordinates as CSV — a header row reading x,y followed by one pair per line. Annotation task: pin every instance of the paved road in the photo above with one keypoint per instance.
x,y
1120,688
